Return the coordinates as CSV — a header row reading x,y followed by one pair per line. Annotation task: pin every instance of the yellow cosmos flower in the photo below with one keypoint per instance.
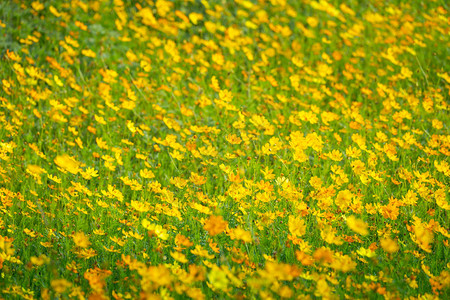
x,y
60,285
67,164
215,225
179,257
297,226
218,278
389,245
81,240
357,225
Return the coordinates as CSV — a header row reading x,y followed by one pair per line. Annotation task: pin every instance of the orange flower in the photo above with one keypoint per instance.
x,y
215,225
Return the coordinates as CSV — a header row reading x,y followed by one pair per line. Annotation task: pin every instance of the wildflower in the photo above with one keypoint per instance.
x,y
357,225
147,16
89,173
179,257
182,241
240,234
67,164
30,232
343,199
197,179
343,263
195,17
218,278
441,201
6,246
304,258
423,236
81,240
96,278
234,139
329,235
389,245
60,285
40,260
268,173
366,252
323,255
215,225
140,206
88,53
37,6
297,226
335,155
200,251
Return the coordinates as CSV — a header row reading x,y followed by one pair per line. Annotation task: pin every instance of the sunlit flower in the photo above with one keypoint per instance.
x,y
357,225
81,240
215,225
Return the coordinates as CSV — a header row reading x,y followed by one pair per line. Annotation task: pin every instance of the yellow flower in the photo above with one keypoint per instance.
x,y
241,234
343,199
218,278
179,257
323,289
89,173
177,155
323,255
233,139
199,251
158,230
88,53
343,263
140,206
423,236
389,245
147,16
335,155
37,5
215,84
6,246
365,252
329,235
30,232
67,163
99,232
268,173
54,178
195,17
197,179
60,285
35,170
357,225
297,226
312,21
81,240
39,261
439,195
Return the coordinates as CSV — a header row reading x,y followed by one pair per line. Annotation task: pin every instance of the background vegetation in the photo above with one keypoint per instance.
x,y
224,149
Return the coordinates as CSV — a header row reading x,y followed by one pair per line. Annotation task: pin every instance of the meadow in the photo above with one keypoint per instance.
x,y
248,149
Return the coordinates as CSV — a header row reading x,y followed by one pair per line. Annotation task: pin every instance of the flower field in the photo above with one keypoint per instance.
x,y
249,149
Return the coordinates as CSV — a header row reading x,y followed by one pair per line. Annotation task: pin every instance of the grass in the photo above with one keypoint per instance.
x,y
224,149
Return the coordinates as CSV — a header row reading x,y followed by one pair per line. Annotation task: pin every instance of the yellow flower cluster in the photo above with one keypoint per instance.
x,y
224,149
